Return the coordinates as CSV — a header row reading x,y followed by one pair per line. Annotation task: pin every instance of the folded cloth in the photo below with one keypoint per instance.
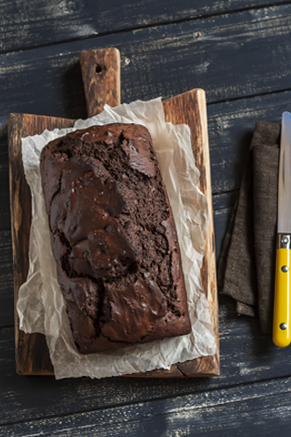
x,y
246,268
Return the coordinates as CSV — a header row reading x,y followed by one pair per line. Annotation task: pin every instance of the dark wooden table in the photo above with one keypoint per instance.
x,y
239,52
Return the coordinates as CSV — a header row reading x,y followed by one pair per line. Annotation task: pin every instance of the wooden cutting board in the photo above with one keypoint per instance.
x,y
101,78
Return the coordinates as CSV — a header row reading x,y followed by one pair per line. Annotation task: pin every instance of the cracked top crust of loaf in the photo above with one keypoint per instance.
x,y
113,238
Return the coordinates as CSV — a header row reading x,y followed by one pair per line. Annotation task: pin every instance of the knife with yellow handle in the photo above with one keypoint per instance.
x,y
282,302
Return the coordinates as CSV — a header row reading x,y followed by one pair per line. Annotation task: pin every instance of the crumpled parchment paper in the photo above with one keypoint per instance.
x,y
41,307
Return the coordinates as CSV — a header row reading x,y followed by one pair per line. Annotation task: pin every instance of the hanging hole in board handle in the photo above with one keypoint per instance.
x,y
98,68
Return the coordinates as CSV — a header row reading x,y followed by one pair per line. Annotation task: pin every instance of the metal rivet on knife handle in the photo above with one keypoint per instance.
x,y
284,241
284,269
283,326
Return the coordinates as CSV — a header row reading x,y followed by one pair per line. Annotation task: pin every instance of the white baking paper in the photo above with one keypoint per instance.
x,y
41,307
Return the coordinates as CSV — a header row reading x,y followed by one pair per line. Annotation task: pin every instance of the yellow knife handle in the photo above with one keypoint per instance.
x,y
281,322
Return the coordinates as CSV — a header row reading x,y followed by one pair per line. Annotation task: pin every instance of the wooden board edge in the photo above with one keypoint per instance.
x,y
212,294
13,121
184,370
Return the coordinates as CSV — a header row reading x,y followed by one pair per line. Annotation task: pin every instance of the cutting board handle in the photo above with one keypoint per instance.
x,y
101,78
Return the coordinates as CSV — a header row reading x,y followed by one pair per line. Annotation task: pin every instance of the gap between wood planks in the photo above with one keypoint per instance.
x,y
238,338
152,26
60,61
184,404
251,96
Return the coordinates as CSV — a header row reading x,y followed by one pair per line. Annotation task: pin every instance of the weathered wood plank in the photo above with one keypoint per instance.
x,y
230,126
167,60
259,409
246,357
4,189
6,280
37,22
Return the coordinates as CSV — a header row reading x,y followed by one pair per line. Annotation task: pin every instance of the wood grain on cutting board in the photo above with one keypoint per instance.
x,y
31,351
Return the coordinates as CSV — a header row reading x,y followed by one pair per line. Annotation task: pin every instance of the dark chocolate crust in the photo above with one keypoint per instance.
x,y
114,238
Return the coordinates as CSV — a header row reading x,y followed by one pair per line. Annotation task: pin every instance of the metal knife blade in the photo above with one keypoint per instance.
x,y
284,179
282,302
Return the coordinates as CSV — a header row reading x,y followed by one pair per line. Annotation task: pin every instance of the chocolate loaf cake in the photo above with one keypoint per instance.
x,y
113,238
